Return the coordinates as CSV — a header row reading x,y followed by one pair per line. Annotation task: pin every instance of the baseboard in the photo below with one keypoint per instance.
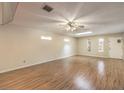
x,y
35,63
98,56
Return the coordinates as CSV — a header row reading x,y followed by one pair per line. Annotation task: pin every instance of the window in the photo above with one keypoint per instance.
x,y
101,45
46,37
88,45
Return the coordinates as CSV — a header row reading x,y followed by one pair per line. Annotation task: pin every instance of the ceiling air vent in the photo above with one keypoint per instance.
x,y
47,8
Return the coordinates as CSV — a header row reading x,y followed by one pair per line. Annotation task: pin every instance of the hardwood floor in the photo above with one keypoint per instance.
x,y
77,72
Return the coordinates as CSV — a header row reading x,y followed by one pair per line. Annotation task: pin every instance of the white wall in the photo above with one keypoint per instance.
x,y
18,44
0,13
123,46
82,45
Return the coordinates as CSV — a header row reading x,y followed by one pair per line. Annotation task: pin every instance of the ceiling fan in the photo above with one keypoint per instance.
x,y
73,26
67,25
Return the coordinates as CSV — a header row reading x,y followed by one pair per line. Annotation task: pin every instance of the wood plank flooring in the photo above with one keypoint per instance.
x,y
77,72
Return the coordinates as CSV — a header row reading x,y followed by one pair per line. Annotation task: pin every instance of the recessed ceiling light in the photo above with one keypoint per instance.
x,y
46,37
66,40
84,33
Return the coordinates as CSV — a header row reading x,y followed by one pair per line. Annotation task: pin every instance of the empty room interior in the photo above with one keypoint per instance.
x,y
61,45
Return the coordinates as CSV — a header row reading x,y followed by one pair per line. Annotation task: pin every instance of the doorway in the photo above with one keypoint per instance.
x,y
115,47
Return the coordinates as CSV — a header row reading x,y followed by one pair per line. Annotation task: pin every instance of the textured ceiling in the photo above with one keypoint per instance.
x,y
100,18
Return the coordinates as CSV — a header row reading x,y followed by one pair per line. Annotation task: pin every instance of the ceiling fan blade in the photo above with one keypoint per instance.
x,y
53,19
82,26
61,15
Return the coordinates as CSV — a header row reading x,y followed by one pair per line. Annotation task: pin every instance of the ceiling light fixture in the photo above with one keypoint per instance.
x,y
84,33
72,26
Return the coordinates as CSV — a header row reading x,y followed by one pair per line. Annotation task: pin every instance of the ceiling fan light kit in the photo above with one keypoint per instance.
x,y
73,26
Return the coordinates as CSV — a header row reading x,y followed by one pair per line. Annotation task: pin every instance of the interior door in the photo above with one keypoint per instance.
x,y
115,46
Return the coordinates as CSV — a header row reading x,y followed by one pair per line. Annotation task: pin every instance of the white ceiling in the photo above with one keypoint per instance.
x,y
100,18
